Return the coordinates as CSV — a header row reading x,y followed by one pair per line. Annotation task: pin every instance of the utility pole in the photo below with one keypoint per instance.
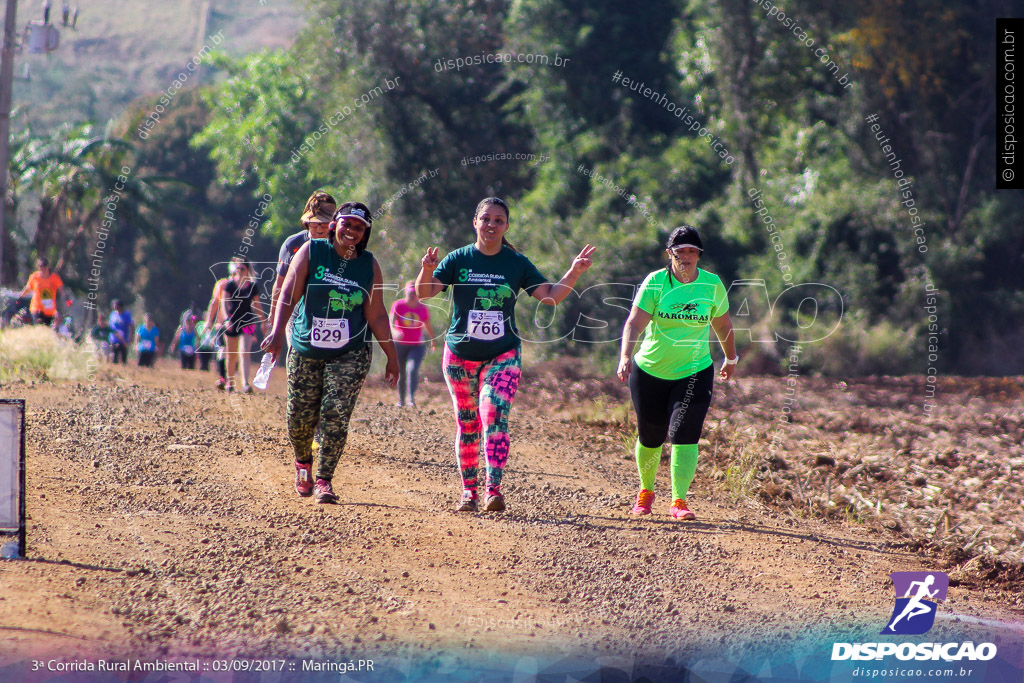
x,y
6,88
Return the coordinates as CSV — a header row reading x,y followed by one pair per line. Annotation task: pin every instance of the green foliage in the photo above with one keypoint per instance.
x,y
260,120
858,349
805,196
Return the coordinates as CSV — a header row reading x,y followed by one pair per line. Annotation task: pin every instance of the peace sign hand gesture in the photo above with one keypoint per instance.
x,y
429,261
582,262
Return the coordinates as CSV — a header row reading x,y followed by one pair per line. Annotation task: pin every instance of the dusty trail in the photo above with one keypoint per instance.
x,y
163,521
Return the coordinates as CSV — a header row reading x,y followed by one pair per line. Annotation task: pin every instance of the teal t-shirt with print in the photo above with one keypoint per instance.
x,y
331,317
484,291
145,339
675,343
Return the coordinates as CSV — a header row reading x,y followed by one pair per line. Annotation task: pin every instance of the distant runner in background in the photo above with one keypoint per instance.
x,y
240,301
672,376
482,355
214,328
124,330
410,319
45,287
206,349
148,345
100,334
185,341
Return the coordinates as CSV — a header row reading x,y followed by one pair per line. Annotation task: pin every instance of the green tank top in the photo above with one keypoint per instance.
x,y
331,318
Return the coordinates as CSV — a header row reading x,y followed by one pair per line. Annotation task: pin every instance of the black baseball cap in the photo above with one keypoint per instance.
x,y
684,235
354,210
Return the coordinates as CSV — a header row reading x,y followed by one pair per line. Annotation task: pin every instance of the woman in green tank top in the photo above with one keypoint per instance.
x,y
337,287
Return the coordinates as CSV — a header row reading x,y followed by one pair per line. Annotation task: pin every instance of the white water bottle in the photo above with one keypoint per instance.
x,y
263,374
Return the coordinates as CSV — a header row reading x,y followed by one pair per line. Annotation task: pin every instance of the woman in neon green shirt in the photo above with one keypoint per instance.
x,y
672,376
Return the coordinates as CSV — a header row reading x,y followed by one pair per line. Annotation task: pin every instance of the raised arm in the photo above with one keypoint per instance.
x,y
553,294
426,284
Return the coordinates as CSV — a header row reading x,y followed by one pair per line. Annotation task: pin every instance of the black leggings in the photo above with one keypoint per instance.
x,y
670,407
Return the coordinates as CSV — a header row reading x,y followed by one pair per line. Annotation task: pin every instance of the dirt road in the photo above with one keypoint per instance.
x,y
163,523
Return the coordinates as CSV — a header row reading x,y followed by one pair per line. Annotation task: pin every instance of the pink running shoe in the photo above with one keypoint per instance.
x,y
304,478
644,501
469,501
323,492
679,510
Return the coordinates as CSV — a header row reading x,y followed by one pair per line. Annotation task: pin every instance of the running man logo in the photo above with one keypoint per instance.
x,y
914,613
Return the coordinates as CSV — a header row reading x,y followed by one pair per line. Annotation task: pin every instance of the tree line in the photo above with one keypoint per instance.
x,y
848,147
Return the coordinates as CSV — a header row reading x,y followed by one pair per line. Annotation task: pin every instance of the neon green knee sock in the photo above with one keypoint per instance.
x,y
647,460
684,466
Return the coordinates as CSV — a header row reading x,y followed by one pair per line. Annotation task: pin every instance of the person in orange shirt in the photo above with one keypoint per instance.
x,y
45,286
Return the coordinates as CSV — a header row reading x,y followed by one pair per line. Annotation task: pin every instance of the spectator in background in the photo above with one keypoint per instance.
x,y
46,11
74,18
148,344
45,287
65,10
124,327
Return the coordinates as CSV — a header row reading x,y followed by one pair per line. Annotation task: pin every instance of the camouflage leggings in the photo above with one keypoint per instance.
x,y
323,391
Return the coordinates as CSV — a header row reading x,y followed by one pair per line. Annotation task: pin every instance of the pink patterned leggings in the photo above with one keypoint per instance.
x,y
482,392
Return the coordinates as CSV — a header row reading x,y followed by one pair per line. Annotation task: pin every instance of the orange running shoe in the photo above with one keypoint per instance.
x,y
644,501
679,510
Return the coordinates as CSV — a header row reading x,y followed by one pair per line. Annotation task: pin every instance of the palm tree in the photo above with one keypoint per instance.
x,y
77,176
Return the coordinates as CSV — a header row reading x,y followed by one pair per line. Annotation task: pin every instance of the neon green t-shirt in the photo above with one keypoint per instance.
x,y
675,343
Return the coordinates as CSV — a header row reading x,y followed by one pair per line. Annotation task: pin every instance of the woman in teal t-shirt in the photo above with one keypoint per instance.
x,y
672,376
147,342
337,285
482,361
